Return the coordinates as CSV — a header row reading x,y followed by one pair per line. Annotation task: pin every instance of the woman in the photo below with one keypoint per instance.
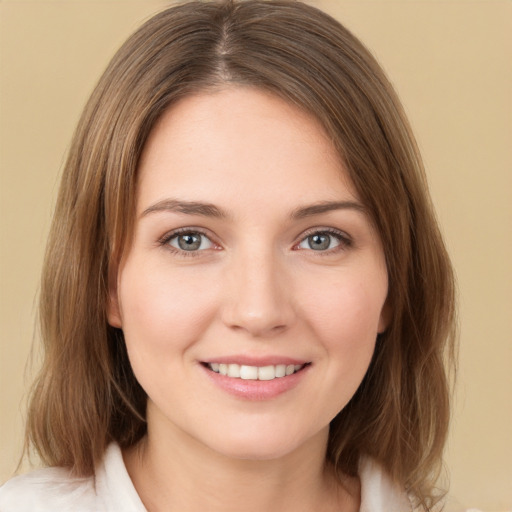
x,y
246,302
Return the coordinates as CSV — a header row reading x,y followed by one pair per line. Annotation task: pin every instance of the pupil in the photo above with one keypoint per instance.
x,y
189,242
319,242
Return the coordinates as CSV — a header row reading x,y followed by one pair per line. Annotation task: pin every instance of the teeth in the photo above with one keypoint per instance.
x,y
280,370
266,372
248,372
234,370
270,372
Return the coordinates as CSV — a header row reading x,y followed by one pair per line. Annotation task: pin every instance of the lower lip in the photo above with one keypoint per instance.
x,y
256,390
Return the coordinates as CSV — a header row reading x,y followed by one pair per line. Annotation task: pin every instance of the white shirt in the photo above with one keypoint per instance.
x,y
111,490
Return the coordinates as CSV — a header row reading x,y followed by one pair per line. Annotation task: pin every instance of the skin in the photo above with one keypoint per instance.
x,y
254,287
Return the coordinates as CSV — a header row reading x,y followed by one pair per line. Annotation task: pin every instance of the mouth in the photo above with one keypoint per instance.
x,y
245,372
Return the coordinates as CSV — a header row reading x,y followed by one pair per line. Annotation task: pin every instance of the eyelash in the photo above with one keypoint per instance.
x,y
164,241
345,242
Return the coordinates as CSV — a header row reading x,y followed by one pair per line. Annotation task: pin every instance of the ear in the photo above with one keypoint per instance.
x,y
113,309
385,317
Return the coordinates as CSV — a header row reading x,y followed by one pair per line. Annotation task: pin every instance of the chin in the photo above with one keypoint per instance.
x,y
265,452
264,444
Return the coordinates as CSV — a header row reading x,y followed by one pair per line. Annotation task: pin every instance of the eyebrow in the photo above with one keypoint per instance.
x,y
187,207
326,206
210,210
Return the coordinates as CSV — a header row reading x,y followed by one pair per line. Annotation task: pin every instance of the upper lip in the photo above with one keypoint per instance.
x,y
244,359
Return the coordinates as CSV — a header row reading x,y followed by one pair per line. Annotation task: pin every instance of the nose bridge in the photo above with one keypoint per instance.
x,y
258,296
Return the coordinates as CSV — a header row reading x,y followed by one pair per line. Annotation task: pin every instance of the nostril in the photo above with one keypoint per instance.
x,y
259,330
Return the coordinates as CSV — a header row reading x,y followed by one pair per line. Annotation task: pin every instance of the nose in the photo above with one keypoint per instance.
x,y
258,295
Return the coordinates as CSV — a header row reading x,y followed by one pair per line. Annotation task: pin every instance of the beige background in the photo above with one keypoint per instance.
x,y
451,63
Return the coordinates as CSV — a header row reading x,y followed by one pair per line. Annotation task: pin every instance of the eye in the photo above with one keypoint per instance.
x,y
323,241
189,241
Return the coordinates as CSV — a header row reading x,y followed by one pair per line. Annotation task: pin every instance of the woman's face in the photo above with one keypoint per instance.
x,y
252,256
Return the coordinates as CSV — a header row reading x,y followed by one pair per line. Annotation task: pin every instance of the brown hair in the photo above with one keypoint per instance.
x,y
86,394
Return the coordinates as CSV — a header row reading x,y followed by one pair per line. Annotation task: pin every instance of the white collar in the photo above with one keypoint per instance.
x,y
378,492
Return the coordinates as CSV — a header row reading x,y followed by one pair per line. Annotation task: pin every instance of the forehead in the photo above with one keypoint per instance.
x,y
240,145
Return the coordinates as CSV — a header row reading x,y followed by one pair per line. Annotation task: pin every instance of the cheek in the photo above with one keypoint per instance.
x,y
345,319
350,335
162,310
346,312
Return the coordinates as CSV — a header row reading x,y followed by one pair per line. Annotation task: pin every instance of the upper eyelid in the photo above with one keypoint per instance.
x,y
180,231
164,242
329,231
323,229
345,242
343,235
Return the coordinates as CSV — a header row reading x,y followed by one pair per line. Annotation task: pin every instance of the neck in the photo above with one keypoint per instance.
x,y
174,472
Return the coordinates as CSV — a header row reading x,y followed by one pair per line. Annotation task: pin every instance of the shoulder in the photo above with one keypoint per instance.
x,y
379,493
56,490
48,489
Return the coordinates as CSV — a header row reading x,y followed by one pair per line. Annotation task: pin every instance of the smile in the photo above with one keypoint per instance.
x,y
270,372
